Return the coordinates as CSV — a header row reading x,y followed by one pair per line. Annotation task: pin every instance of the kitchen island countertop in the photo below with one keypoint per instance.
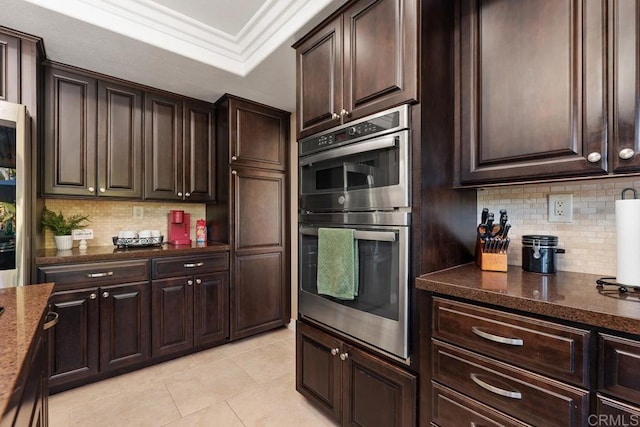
x,y
111,253
24,308
564,295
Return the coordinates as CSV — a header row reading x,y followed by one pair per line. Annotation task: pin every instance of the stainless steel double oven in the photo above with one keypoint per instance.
x,y
357,176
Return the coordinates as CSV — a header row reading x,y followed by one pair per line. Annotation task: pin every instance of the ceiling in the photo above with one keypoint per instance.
x,y
197,48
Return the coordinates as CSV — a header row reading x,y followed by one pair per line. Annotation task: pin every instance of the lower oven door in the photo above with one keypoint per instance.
x,y
378,315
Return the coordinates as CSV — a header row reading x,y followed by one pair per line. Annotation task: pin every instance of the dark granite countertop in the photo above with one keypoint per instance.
x,y
564,295
24,308
111,253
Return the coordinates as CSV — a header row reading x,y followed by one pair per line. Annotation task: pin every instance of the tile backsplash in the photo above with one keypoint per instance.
x,y
589,241
108,217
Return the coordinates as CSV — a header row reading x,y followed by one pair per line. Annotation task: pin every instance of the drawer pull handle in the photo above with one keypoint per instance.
x,y
496,390
51,320
496,338
96,275
197,264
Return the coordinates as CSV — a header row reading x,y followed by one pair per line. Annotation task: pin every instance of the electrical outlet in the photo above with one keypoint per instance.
x,y
561,207
138,212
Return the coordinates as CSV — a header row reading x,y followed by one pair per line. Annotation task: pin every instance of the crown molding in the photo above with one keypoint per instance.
x,y
275,22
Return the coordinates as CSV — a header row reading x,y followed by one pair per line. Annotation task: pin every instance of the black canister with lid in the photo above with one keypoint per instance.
x,y
539,253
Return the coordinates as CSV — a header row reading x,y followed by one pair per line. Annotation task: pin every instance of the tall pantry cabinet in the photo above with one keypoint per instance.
x,y
253,212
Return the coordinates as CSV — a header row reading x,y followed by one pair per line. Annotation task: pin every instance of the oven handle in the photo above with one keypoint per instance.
x,y
382,236
362,147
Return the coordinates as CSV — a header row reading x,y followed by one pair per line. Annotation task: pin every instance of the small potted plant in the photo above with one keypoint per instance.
x,y
62,227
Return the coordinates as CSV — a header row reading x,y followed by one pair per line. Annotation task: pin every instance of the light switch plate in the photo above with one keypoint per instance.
x,y
561,207
138,212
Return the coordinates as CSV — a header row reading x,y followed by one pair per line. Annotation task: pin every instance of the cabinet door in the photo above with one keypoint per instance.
x,y
319,369
380,56
172,315
70,134
124,325
163,147
9,68
199,160
319,80
211,309
260,135
73,343
374,392
119,141
625,85
530,89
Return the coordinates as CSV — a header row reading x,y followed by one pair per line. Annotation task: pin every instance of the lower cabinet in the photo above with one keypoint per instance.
x,y
103,319
353,386
618,379
189,311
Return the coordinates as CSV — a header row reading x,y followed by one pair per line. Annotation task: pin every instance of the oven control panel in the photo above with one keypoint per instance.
x,y
368,127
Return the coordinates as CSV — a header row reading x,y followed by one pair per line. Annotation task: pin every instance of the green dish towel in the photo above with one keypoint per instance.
x,y
337,263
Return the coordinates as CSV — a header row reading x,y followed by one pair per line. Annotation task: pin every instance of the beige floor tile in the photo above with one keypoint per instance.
x,y
90,392
207,384
142,377
148,406
224,351
277,403
274,336
219,414
59,418
268,362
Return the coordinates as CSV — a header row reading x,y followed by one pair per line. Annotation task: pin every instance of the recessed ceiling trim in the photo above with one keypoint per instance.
x,y
275,22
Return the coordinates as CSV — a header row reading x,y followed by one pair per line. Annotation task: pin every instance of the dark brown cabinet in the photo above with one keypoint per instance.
x,y
189,303
353,386
252,145
104,321
93,137
361,60
618,375
179,149
531,99
500,366
624,25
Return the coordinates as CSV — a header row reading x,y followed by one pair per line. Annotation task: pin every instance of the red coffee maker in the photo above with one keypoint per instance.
x,y
179,228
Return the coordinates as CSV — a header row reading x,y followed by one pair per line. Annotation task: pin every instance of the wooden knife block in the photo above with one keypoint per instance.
x,y
490,261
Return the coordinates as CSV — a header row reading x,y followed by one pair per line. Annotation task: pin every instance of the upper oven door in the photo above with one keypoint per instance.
x,y
367,175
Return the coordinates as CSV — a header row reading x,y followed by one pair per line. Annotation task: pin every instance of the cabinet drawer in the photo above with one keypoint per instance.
x,y
619,367
188,265
621,411
529,397
95,273
547,348
452,409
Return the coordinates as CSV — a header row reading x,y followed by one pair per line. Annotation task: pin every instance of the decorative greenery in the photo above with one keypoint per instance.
x,y
61,226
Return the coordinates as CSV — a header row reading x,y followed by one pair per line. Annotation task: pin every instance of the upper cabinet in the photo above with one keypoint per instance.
x,y
624,25
179,149
93,137
95,143
531,99
360,61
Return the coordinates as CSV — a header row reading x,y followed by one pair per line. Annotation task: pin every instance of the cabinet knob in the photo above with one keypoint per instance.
x,y
179,193
344,356
234,173
198,281
594,157
335,351
187,194
105,294
334,116
189,282
93,296
234,158
344,112
91,189
102,189
626,153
